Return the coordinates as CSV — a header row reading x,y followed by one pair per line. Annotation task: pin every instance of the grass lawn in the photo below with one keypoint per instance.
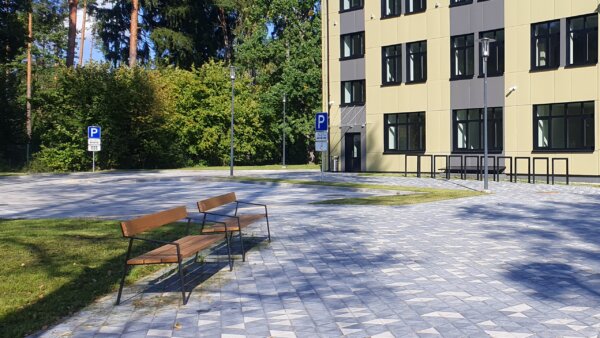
x,y
419,195
52,268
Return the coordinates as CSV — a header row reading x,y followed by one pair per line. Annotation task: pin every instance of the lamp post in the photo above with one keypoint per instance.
x,y
232,75
283,131
485,53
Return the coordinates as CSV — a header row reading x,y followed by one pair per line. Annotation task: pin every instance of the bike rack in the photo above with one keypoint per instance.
x,y
431,162
445,157
482,166
462,161
511,166
528,168
547,168
406,156
476,157
566,166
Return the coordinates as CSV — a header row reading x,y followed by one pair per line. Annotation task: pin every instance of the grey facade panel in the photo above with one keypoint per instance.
x,y
353,21
353,116
477,17
469,93
353,69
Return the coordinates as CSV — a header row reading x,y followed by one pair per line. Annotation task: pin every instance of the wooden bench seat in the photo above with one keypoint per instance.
x,y
229,223
168,252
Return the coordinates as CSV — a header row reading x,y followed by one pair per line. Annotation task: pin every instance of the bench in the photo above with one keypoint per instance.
x,y
169,252
227,223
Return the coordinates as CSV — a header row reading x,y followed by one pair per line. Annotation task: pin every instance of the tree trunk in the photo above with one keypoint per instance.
x,y
82,43
72,32
133,33
28,116
224,27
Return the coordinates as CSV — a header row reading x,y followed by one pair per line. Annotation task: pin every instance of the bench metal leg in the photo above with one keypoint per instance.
x,y
242,246
125,269
182,282
228,239
268,229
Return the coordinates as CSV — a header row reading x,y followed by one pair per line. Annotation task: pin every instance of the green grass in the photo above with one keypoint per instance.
x,y
261,167
419,195
52,268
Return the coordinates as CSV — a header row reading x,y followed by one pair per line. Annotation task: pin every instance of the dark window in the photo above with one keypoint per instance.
x,y
391,64
404,132
460,2
353,45
350,5
545,45
390,8
415,6
353,93
496,59
416,62
564,126
468,130
463,56
582,40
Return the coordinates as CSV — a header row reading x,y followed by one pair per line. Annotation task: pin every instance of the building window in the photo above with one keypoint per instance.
x,y
545,45
582,40
460,2
416,62
564,126
353,93
404,132
496,59
468,130
350,5
463,56
390,8
415,6
391,65
353,45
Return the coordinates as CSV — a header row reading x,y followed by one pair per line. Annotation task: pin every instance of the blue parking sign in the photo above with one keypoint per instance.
x,y
94,132
321,122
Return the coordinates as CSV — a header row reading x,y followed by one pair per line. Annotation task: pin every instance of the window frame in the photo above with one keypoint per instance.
x,y
464,50
566,133
353,100
423,59
352,56
417,119
550,40
384,64
456,3
498,48
394,15
494,123
351,8
421,8
594,31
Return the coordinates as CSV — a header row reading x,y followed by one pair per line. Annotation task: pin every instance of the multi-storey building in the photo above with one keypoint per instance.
x,y
406,77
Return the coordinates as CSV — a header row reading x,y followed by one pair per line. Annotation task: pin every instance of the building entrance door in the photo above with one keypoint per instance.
x,y
352,152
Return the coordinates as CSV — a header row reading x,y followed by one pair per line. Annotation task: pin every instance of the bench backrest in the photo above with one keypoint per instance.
x,y
151,221
217,201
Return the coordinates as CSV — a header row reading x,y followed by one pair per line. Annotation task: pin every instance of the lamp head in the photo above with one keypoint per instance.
x,y
485,46
232,72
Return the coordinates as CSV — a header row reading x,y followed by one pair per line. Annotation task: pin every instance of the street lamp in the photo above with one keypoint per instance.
x,y
485,53
232,75
284,130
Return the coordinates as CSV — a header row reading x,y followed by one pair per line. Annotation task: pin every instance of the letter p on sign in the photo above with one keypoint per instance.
x,y
321,122
94,132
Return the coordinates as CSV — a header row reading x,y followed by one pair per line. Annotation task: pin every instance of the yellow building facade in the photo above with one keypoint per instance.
x,y
405,77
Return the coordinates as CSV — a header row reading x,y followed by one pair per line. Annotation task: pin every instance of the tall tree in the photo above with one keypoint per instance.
x,y
133,33
82,40
72,32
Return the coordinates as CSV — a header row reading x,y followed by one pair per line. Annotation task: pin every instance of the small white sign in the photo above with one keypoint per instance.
x,y
321,136
94,142
94,147
321,146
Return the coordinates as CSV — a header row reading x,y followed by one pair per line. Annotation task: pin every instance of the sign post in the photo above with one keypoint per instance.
x,y
321,128
94,143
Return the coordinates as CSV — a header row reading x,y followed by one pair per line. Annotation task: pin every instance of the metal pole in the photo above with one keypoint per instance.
x,y
284,130
93,161
231,152
485,126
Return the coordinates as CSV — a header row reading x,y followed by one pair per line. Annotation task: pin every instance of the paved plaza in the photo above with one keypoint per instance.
x,y
523,261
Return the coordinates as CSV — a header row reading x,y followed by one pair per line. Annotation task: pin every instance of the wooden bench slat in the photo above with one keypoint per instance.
x,y
217,201
147,222
167,253
232,225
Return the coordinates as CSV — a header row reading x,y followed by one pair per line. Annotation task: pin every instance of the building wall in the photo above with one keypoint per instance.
x,y
439,96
